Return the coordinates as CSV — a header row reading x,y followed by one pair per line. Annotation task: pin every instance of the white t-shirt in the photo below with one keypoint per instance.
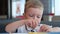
x,y
24,29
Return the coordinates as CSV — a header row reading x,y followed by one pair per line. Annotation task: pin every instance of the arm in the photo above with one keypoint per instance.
x,y
55,29
13,26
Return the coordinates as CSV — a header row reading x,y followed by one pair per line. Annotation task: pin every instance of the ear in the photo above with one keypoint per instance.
x,y
24,15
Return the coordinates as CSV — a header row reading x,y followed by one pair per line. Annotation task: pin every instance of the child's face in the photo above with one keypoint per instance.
x,y
34,13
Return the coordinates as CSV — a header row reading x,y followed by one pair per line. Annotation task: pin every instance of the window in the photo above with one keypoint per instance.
x,y
56,7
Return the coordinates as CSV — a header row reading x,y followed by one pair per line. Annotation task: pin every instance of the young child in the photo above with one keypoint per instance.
x,y
32,18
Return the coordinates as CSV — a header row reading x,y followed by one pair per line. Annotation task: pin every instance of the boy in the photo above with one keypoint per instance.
x,y
31,22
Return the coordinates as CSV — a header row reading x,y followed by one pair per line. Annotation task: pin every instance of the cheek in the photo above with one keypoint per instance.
x,y
39,20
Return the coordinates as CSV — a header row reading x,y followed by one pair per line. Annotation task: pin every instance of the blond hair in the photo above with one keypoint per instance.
x,y
33,4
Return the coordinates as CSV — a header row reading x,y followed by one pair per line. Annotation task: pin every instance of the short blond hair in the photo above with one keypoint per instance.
x,y
33,4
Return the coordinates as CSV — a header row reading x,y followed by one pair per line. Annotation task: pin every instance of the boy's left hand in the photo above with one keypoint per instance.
x,y
45,28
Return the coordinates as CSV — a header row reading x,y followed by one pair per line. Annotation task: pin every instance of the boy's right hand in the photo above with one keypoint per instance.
x,y
31,23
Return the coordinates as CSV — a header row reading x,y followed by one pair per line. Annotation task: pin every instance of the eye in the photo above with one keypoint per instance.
x,y
38,16
31,15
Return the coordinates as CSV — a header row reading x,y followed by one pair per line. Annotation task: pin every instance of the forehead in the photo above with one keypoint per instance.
x,y
34,10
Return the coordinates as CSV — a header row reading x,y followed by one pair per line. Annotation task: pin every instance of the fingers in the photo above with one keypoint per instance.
x,y
49,30
45,28
32,23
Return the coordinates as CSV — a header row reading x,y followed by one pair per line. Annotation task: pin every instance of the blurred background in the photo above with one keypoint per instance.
x,y
12,10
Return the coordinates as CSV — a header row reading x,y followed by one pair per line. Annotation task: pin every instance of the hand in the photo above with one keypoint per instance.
x,y
45,28
31,23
